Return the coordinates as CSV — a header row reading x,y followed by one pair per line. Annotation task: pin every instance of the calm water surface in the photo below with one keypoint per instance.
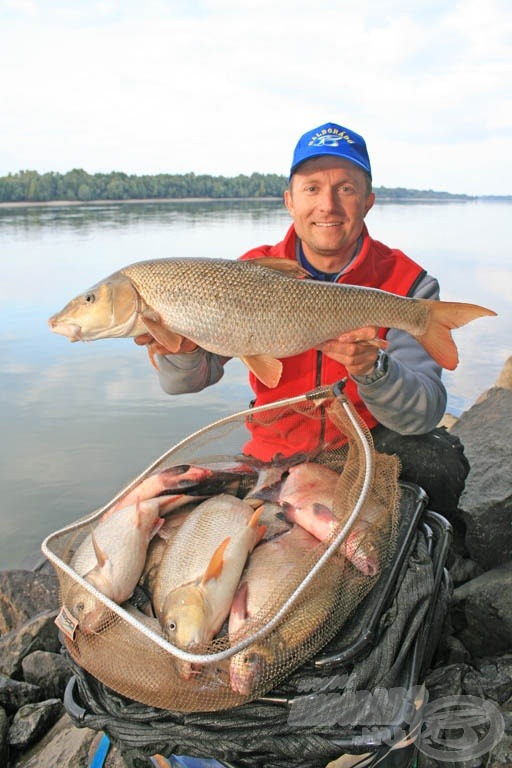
x,y
79,421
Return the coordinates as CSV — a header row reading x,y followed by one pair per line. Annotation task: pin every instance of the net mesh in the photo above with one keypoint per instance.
x,y
300,585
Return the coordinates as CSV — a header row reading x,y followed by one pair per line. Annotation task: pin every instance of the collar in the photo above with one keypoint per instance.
x,y
317,274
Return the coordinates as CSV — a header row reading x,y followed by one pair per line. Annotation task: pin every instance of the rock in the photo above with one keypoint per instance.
x,y
486,502
463,569
37,634
445,681
15,694
504,380
482,612
4,744
114,758
24,594
63,745
448,421
32,721
47,670
495,678
502,753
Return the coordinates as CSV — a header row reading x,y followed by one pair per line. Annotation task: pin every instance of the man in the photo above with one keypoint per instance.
x,y
397,390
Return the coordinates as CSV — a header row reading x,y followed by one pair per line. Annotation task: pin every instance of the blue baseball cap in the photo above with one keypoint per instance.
x,y
332,139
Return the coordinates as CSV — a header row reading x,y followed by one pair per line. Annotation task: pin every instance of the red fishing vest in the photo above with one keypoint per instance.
x,y
375,266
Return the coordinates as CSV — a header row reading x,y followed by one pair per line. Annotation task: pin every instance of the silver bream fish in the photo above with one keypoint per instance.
x,y
258,310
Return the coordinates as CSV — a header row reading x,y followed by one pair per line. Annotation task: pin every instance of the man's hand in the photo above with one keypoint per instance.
x,y
155,348
357,350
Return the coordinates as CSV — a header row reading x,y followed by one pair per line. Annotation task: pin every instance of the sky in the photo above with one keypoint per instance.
x,y
227,87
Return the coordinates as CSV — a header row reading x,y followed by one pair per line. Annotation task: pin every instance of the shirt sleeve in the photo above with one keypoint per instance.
x,y
410,398
189,372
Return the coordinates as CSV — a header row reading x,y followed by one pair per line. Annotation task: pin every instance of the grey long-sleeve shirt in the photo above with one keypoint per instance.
x,y
410,398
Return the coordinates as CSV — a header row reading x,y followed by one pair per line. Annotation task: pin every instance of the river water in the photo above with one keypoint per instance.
x,y
79,421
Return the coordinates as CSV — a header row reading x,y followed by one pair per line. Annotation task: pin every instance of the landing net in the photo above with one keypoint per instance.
x,y
326,516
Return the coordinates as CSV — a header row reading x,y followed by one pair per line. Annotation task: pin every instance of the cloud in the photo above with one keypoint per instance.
x,y
216,87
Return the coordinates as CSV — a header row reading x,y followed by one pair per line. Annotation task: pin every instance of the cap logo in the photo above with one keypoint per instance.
x,y
330,137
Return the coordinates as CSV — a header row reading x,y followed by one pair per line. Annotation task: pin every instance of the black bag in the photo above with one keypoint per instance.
x,y
358,695
435,461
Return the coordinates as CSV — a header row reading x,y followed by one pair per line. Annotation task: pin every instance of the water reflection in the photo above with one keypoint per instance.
x,y
79,217
81,420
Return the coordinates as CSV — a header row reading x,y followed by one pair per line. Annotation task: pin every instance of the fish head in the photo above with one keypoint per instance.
x,y
246,671
108,309
90,613
184,617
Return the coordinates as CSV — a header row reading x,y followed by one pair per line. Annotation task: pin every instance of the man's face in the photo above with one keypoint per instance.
x,y
328,199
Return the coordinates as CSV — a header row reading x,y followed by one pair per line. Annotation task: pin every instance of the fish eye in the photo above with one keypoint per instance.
x,y
90,298
171,626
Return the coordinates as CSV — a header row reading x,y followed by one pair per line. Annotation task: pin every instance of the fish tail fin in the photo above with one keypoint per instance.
x,y
444,316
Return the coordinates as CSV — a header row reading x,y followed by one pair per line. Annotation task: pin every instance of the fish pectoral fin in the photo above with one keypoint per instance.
x,y
286,266
167,338
216,564
322,512
152,349
266,368
239,604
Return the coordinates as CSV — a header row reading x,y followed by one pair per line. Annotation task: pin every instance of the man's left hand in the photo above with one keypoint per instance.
x,y
357,350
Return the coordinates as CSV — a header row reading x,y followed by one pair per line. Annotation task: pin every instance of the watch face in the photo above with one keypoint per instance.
x,y
381,363
379,370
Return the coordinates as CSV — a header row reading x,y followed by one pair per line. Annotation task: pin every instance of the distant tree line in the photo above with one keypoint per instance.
x,y
31,186
78,185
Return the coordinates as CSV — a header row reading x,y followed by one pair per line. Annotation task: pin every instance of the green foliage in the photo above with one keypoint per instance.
x,y
30,186
78,185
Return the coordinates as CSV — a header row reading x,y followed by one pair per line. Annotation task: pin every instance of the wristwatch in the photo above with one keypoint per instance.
x,y
379,370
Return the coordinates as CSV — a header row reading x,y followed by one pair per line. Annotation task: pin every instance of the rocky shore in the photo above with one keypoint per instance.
x,y
474,657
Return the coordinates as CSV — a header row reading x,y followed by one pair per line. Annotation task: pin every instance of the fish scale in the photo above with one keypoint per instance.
x,y
257,310
222,293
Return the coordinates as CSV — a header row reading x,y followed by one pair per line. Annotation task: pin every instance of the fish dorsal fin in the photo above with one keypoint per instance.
x,y
285,266
138,513
216,564
267,369
157,527
167,338
254,523
101,557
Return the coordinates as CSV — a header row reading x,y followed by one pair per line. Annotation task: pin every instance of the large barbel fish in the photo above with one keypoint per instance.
x,y
277,559
112,558
200,570
256,310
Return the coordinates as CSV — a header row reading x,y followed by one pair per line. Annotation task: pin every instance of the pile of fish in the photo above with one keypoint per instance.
x,y
194,551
